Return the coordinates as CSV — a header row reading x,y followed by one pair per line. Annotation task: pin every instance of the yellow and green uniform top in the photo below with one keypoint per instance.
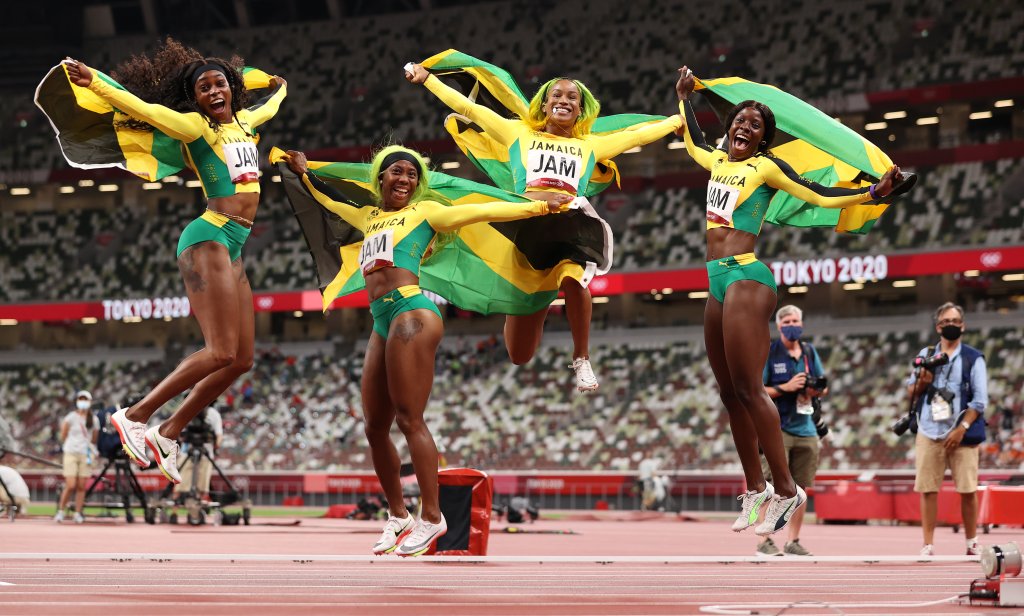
x,y
541,161
224,156
739,191
400,238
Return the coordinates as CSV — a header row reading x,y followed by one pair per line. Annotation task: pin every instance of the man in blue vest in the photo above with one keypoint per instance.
x,y
792,377
950,404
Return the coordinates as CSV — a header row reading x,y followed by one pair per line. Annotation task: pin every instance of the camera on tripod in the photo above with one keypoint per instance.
x,y
198,434
909,421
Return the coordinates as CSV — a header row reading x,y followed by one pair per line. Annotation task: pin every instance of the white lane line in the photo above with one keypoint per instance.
x,y
310,558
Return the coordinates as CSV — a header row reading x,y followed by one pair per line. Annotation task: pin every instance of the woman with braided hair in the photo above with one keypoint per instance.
x,y
201,103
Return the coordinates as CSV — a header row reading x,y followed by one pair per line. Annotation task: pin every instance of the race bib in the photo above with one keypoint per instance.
x,y
242,160
941,410
545,170
378,251
721,202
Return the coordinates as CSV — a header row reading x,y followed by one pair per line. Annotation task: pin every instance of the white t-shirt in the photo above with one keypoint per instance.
x,y
80,438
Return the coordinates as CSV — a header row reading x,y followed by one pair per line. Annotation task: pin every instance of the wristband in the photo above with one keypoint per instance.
x,y
871,191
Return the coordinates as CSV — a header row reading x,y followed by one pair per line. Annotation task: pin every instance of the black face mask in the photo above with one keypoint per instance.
x,y
952,332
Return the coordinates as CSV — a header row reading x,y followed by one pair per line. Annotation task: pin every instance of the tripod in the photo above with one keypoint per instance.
x,y
196,509
126,485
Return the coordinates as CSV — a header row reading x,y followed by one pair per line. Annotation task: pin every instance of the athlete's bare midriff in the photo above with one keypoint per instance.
x,y
243,205
728,242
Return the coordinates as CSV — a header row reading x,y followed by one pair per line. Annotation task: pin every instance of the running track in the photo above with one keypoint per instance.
x,y
657,566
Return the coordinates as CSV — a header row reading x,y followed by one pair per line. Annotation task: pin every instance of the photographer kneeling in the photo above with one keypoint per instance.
x,y
795,380
948,396
206,431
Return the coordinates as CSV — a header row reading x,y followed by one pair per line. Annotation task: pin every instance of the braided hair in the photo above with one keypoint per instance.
x,y
163,77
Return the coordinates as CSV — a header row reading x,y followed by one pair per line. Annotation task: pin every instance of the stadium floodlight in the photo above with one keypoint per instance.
x,y
876,125
927,120
20,191
152,186
86,183
980,115
894,115
1006,102
107,188
676,145
452,164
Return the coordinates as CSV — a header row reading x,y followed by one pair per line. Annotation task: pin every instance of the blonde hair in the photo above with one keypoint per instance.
x,y
589,108
375,171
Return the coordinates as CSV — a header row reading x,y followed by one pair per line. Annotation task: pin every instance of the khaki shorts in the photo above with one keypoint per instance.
x,y
76,465
802,453
202,481
932,462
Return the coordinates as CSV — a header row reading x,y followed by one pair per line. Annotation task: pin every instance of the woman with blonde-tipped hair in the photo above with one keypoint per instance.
x,y
398,370
552,151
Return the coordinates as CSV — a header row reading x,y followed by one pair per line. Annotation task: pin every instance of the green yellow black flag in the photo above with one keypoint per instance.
x,y
91,135
503,268
493,87
819,148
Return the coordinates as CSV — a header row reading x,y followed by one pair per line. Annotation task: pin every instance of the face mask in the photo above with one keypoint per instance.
x,y
792,332
951,332
82,405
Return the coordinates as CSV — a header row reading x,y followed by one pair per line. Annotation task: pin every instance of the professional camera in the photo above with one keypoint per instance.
x,y
816,382
198,432
820,425
931,363
901,425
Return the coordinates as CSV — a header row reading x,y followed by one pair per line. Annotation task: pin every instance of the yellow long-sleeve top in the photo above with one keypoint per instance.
x,y
542,161
400,238
224,156
739,191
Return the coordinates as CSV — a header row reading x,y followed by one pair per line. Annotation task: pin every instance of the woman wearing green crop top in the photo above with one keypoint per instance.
x,y
744,178
398,371
201,103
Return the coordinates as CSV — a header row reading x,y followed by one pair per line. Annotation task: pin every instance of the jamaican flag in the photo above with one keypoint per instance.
x,y
89,131
489,268
494,88
819,148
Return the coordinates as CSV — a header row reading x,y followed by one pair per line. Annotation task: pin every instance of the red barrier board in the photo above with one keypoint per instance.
x,y
1003,505
852,500
907,505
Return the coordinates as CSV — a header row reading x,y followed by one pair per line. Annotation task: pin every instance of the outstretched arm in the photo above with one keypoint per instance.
x,y
450,218
693,137
324,194
180,126
269,106
778,174
610,146
502,129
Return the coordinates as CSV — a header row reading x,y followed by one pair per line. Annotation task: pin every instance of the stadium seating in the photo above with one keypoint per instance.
x,y
657,400
346,86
